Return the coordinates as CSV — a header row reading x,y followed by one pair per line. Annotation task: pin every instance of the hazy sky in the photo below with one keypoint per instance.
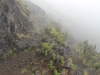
x,y
82,17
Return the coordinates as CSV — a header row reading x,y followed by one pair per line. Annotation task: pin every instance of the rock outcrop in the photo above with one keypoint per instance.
x,y
16,26
12,21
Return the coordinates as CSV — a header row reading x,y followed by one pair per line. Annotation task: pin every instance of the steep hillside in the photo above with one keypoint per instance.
x,y
35,14
17,21
22,45
31,43
12,23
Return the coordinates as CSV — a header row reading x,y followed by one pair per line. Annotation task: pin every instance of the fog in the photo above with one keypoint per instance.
x,y
80,17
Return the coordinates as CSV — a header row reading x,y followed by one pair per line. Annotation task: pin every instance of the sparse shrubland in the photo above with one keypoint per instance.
x,y
43,52
73,66
56,31
88,54
24,7
47,48
10,53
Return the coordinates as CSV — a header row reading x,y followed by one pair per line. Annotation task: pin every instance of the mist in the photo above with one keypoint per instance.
x,y
80,17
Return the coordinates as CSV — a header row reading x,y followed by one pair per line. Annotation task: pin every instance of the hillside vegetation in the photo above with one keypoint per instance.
x,y
34,44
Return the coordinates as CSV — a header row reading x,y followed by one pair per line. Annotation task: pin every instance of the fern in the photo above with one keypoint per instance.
x,y
47,47
62,60
56,72
51,66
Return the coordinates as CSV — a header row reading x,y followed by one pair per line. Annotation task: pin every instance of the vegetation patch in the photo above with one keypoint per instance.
x,y
23,71
56,72
47,48
88,55
24,7
56,32
10,53
62,60
23,36
73,66
85,73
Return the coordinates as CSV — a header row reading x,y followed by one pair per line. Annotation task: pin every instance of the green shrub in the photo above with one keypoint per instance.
x,y
47,48
54,56
62,60
30,48
14,49
23,36
51,65
87,54
23,71
73,66
85,73
10,53
56,72
57,33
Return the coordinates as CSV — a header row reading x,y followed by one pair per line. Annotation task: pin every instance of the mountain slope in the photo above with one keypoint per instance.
x,y
17,21
31,43
12,21
24,50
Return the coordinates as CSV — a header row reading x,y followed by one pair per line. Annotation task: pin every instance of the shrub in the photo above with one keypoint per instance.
x,y
23,36
87,54
56,32
73,66
62,60
85,73
23,71
10,53
47,47
54,56
51,65
56,72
